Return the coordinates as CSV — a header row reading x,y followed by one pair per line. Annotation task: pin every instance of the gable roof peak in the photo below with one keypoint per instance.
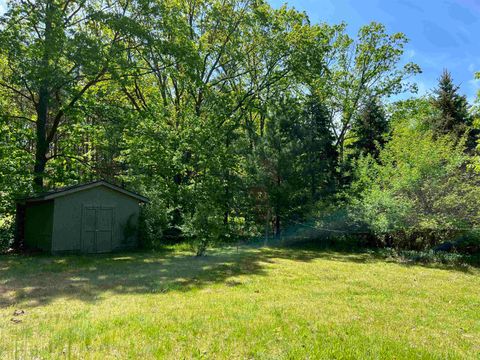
x,y
53,194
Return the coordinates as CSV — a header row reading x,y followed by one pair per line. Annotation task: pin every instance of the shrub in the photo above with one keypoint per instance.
x,y
153,223
203,227
427,257
468,243
7,229
419,194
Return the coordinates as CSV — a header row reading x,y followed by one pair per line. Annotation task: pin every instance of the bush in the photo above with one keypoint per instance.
x,y
203,227
419,194
468,243
153,223
7,231
427,257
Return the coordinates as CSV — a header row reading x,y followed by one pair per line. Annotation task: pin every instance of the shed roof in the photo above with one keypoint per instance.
x,y
50,195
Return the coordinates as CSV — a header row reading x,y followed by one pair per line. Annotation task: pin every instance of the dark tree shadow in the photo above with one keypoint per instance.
x,y
38,280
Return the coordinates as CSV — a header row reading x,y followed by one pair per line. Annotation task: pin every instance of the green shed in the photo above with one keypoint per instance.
x,y
96,217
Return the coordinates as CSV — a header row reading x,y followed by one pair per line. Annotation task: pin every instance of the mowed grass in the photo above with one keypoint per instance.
x,y
246,304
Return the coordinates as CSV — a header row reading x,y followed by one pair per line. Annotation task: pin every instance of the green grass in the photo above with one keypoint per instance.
x,y
254,303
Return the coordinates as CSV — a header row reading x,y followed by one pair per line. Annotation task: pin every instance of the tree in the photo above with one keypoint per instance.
x,y
203,116
359,70
420,192
369,130
15,160
453,118
56,51
295,162
476,126
318,154
276,167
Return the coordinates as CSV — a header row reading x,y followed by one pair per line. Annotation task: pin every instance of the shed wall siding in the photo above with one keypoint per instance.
x,y
67,233
38,225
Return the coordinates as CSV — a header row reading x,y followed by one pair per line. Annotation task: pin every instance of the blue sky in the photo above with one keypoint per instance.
x,y
442,33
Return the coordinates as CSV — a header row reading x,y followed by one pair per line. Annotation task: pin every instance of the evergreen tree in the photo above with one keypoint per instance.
x,y
453,117
370,129
298,160
320,155
278,154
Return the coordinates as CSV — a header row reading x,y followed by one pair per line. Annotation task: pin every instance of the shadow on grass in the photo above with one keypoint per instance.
x,y
38,280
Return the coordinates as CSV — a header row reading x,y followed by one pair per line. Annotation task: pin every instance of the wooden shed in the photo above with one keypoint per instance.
x,y
96,217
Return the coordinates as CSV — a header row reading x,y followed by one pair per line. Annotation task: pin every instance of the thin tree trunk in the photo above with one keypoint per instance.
x,y
41,146
262,125
313,184
227,189
277,216
267,228
277,226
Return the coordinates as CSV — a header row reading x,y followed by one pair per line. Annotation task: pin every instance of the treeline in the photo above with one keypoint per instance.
x,y
236,119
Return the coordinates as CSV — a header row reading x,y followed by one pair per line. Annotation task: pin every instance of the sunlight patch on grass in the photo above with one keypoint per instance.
x,y
252,303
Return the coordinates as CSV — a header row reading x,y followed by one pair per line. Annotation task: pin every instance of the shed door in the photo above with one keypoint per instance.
x,y
97,229
104,229
89,229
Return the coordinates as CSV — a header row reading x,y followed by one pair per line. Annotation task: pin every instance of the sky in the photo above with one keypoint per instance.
x,y
443,33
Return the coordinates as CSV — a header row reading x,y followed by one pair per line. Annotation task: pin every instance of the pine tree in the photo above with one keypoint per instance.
x,y
453,115
320,156
297,159
370,129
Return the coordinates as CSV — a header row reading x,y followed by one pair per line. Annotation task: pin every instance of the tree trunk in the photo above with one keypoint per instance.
x,y
227,188
41,147
262,125
277,226
267,229
277,216
341,142
313,185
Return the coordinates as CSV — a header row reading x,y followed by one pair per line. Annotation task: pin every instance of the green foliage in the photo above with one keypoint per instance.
x,y
361,69
370,130
476,126
238,120
468,243
318,155
7,229
419,193
453,116
153,222
204,227
56,54
429,257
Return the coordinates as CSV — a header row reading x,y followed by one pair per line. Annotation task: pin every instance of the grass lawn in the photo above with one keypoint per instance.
x,y
252,303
